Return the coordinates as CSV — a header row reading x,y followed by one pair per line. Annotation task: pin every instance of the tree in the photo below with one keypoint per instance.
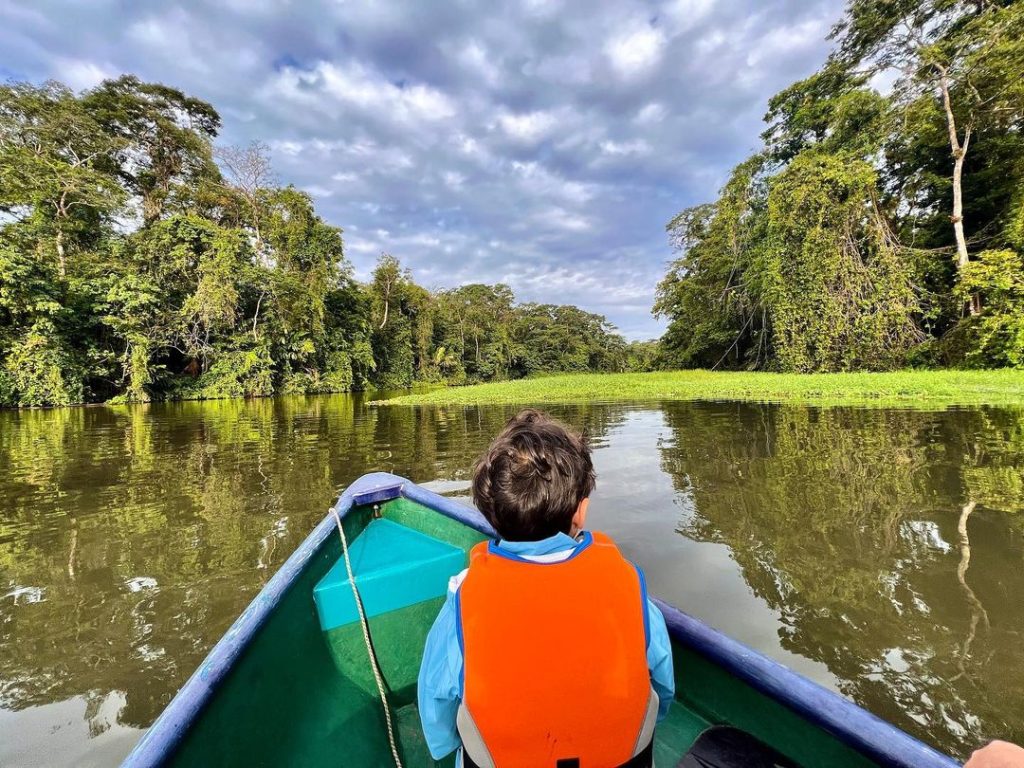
x,y
165,140
832,110
836,290
479,319
969,56
56,205
713,311
829,249
248,175
133,268
562,338
392,337
52,158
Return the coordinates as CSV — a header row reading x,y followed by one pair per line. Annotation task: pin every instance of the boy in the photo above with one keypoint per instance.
x,y
547,651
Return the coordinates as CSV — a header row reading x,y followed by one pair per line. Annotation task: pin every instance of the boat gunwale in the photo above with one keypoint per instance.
x,y
851,724
868,734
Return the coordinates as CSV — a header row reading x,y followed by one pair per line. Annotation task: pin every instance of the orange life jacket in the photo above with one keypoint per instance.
x,y
555,661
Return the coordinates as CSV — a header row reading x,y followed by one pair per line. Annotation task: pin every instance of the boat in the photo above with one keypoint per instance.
x,y
291,684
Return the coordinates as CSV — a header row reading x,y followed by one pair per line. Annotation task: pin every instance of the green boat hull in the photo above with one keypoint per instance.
x,y
294,695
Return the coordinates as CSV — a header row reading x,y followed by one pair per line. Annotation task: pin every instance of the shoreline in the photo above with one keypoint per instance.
x,y
897,388
908,388
115,403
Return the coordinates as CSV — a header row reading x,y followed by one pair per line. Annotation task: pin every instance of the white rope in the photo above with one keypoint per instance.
x,y
366,638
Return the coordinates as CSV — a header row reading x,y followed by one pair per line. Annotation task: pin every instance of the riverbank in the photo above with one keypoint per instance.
x,y
899,388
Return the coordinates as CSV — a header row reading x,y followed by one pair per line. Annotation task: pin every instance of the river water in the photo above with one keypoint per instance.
x,y
879,552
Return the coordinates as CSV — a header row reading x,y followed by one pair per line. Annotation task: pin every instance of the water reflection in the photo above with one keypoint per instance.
x,y
130,538
889,542
877,551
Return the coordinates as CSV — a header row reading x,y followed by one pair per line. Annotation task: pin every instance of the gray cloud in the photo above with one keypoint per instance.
x,y
542,144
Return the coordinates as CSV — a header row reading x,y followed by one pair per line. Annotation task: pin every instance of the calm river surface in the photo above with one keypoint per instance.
x,y
880,552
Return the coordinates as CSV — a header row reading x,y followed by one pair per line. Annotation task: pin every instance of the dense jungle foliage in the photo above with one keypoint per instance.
x,y
138,261
882,223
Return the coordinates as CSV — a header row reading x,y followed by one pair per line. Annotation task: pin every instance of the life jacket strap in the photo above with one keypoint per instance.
x,y
644,759
476,755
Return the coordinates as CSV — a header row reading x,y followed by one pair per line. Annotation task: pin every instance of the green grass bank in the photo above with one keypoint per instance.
x,y
899,388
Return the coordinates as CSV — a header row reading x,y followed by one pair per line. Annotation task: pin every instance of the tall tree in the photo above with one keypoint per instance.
x,y
847,212
393,332
831,275
479,327
165,136
53,155
715,315
248,175
969,56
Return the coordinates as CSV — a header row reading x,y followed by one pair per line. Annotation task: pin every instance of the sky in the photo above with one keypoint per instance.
x,y
539,143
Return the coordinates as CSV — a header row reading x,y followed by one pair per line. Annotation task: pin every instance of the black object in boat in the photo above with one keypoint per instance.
x,y
722,746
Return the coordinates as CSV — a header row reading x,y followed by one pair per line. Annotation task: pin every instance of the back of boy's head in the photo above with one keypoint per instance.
x,y
533,477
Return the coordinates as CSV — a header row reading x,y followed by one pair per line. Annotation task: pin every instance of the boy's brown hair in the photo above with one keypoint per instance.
x,y
531,480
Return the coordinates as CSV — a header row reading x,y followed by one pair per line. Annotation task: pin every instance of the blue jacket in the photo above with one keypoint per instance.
x,y
440,689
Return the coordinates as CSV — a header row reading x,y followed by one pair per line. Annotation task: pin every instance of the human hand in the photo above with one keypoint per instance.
x,y
998,754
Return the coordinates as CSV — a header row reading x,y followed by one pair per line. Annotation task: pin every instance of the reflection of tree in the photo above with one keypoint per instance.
x,y
853,524
978,611
130,538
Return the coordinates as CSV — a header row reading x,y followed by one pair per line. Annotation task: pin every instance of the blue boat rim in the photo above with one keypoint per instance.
x,y
873,737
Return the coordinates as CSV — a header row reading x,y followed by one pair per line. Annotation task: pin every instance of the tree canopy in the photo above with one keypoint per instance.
x,y
140,261
878,226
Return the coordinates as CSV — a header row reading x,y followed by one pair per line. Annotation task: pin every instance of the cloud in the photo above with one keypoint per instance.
x,y
80,74
636,53
635,147
528,128
651,113
686,14
540,143
332,90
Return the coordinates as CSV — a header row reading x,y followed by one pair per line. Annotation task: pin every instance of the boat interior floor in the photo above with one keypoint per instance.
x,y
724,747
717,746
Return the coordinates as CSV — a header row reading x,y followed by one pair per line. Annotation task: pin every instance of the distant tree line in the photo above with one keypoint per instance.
x,y
138,261
882,223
